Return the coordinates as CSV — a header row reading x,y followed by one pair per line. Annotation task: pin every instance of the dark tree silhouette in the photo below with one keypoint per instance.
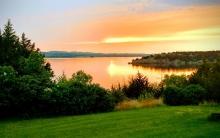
x,y
137,86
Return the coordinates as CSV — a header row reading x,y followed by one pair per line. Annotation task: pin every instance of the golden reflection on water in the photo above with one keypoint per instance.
x,y
108,71
114,70
155,75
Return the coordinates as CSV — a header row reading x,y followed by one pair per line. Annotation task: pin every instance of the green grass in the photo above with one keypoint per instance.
x,y
164,121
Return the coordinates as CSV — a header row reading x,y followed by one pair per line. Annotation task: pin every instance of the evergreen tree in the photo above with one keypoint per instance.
x,y
10,46
1,48
9,33
26,46
23,92
0,34
137,86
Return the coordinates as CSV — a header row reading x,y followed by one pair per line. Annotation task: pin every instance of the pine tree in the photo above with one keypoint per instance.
x,y
1,45
9,33
10,45
0,36
26,46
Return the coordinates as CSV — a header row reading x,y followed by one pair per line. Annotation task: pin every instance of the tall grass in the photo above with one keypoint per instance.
x,y
131,104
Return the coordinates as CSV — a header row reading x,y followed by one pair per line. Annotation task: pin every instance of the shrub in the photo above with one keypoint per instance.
x,y
190,95
136,86
175,80
145,95
208,76
118,93
79,95
103,101
214,117
193,94
171,95
157,90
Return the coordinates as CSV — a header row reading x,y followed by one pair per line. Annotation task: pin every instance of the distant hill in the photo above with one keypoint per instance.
x,y
64,54
177,59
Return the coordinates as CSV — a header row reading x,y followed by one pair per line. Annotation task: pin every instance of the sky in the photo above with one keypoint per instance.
x,y
116,26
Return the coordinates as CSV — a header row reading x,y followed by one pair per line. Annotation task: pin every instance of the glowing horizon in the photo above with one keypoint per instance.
x,y
117,26
189,35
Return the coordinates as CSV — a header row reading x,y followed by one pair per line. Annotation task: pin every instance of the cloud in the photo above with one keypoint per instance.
x,y
147,25
210,33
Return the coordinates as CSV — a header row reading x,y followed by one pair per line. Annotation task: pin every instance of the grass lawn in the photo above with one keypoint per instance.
x,y
163,121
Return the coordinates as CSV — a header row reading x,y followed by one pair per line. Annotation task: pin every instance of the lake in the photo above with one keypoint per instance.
x,y
108,71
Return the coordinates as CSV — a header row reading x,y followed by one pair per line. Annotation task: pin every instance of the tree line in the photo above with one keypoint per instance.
x,y
178,59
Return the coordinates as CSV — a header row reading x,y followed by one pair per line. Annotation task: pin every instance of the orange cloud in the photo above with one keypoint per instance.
x,y
189,28
159,23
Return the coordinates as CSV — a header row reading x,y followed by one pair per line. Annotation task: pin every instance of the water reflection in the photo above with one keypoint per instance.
x,y
110,71
117,70
154,74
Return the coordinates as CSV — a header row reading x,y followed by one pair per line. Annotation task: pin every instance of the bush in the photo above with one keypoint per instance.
x,y
214,117
79,96
103,101
190,95
193,94
208,76
136,86
118,93
175,80
171,95
157,90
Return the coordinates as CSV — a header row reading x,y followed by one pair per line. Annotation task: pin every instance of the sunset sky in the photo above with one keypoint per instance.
x,y
125,26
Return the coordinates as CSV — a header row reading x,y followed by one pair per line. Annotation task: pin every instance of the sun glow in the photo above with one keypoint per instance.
x,y
114,70
187,35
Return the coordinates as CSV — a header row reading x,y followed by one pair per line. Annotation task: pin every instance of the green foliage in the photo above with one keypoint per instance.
x,y
136,86
193,94
175,80
157,90
20,95
26,46
35,65
7,87
27,87
145,95
82,78
178,59
172,96
118,93
79,95
189,95
208,76
179,91
9,46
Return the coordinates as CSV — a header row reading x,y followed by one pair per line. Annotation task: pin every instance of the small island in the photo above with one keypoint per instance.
x,y
177,59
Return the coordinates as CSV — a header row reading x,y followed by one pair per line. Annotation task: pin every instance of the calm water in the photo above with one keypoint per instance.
x,y
109,71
